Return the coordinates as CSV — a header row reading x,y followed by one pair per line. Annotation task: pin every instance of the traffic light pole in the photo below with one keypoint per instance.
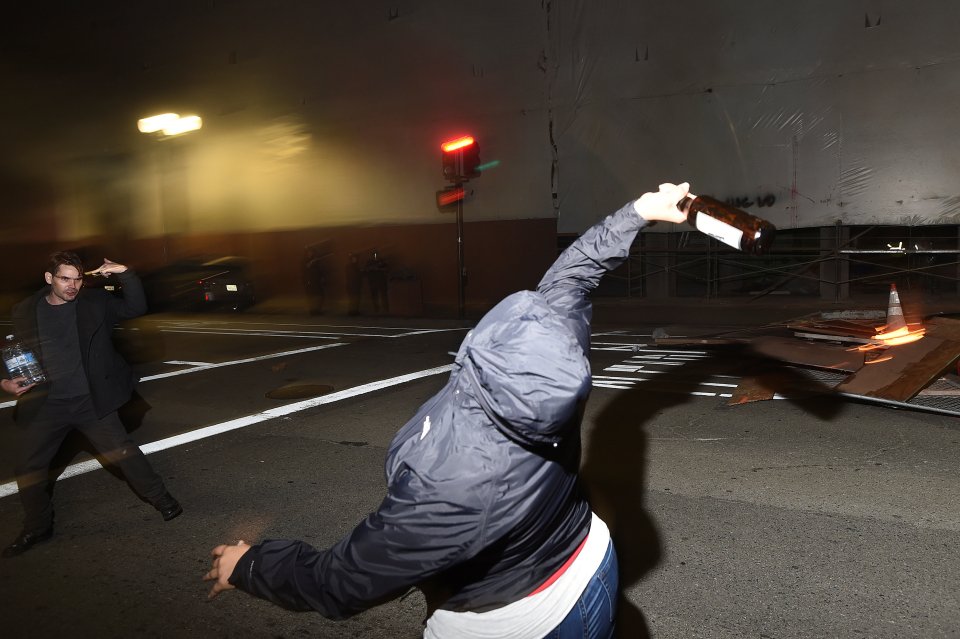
x,y
460,161
461,269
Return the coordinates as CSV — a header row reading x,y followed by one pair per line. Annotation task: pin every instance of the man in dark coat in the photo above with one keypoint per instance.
x,y
70,332
484,509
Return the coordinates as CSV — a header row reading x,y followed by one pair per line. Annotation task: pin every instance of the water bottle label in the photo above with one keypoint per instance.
x,y
15,364
718,230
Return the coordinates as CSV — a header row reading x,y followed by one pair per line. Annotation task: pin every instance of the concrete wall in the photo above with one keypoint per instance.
x,y
331,114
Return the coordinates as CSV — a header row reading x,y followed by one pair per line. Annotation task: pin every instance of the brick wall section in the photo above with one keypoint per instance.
x,y
500,256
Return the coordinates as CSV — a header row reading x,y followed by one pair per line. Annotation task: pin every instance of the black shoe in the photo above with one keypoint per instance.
x,y
26,541
169,507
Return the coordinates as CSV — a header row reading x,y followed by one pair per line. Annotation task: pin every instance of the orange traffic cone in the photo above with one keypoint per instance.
x,y
895,319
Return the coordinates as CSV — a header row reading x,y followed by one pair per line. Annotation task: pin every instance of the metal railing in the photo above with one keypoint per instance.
x,y
826,262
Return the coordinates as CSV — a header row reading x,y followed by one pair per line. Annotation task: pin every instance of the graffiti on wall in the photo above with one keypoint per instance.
x,y
745,201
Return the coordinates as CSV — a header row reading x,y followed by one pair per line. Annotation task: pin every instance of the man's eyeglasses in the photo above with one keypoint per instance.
x,y
67,280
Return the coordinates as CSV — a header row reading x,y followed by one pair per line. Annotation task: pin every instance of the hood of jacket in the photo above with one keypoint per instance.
x,y
525,367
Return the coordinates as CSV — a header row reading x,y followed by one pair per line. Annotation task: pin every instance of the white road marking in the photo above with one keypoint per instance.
x,y
259,358
253,334
196,367
209,431
644,365
218,328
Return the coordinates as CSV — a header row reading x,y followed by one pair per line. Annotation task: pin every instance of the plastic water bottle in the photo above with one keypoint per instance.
x,y
728,224
21,362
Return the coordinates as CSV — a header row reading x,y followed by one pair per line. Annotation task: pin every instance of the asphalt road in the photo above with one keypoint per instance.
x,y
822,518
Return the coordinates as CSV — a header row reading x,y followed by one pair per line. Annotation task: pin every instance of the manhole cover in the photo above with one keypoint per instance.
x,y
299,391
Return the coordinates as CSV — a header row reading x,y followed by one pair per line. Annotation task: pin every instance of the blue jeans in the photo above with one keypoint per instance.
x,y
593,616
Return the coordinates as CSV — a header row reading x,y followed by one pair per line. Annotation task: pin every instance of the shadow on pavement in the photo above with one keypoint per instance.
x,y
614,467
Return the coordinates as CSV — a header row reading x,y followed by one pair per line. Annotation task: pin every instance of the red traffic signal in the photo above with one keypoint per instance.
x,y
449,197
459,143
460,157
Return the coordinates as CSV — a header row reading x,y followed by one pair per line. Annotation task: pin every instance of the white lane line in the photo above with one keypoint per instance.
x,y
180,362
254,334
202,366
209,431
425,331
310,325
172,326
259,358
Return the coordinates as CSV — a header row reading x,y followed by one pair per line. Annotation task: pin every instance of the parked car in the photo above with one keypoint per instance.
x,y
197,285
109,283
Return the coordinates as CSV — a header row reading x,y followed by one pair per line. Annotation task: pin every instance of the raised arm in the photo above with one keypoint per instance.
x,y
134,301
602,248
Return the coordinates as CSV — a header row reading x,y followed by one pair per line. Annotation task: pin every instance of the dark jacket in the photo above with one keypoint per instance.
x,y
483,498
111,378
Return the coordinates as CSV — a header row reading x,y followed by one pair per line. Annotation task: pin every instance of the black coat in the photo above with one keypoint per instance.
x,y
111,378
483,496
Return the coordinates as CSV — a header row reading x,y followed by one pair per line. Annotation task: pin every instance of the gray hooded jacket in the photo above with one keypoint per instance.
x,y
483,499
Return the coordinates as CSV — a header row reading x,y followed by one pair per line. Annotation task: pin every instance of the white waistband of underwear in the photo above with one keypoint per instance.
x,y
534,616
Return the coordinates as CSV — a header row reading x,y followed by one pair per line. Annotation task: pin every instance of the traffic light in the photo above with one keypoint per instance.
x,y
460,158
448,198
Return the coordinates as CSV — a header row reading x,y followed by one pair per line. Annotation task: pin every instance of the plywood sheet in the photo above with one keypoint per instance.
x,y
802,353
911,367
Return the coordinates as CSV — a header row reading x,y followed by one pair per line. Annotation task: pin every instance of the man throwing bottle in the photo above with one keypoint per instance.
x,y
484,510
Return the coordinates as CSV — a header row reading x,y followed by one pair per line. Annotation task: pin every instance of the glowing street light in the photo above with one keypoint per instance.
x,y
169,124
165,126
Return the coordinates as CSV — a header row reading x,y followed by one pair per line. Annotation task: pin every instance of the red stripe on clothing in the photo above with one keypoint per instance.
x,y
561,570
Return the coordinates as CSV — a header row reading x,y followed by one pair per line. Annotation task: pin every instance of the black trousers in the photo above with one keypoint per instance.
x,y
40,440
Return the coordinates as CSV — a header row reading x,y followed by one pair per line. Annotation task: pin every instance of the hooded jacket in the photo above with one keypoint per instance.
x,y
111,378
483,497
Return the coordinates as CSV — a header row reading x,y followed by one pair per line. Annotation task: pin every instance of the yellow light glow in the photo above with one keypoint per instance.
x,y
183,125
156,123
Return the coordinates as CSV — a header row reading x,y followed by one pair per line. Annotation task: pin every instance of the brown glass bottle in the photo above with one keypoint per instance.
x,y
728,224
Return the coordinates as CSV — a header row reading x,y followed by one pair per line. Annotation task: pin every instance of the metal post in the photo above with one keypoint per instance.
x,y
461,269
836,262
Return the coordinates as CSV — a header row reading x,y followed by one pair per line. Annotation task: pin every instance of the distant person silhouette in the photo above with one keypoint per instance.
x,y
376,272
314,277
353,284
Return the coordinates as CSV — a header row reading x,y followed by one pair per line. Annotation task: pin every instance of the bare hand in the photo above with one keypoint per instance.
x,y
225,559
107,268
662,205
13,386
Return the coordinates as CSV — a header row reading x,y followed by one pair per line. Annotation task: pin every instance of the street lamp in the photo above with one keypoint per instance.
x,y
165,126
169,124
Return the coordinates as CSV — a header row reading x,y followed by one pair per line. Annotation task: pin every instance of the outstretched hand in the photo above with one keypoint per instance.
x,y
225,559
107,268
662,205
